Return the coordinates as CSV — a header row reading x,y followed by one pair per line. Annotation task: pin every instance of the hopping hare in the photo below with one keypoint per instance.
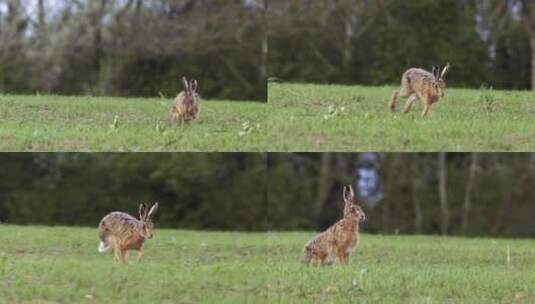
x,y
124,232
420,84
339,240
187,104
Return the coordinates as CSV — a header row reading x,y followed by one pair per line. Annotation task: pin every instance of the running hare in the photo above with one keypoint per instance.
x,y
187,104
420,84
124,232
339,240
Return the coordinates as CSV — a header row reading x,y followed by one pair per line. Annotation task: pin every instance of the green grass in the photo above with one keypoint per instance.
x,y
406,269
61,265
306,117
59,123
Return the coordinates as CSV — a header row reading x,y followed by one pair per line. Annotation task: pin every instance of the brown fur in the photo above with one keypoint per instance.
x,y
124,232
420,84
187,105
339,240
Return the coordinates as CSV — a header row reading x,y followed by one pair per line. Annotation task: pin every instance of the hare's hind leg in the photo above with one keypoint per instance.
x,y
410,101
393,100
117,254
403,92
116,250
139,254
123,255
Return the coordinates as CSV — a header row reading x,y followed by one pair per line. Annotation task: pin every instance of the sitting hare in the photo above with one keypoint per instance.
x,y
187,104
124,232
420,84
339,240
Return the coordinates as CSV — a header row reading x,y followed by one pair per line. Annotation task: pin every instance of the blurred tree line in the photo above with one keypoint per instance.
x,y
133,47
373,41
222,191
476,194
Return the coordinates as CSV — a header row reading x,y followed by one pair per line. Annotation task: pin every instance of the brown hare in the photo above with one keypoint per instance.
x,y
339,240
124,232
420,84
187,104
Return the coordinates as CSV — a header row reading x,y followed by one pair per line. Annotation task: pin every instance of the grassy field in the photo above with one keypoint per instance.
x,y
54,123
61,265
407,269
306,117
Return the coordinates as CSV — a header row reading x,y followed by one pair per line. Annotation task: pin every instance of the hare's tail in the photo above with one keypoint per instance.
x,y
103,247
393,101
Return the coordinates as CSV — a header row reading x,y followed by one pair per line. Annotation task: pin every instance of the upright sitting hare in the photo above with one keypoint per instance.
x,y
124,232
187,104
339,241
420,84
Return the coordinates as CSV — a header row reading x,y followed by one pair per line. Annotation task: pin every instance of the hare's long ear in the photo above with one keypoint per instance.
x,y
185,83
152,211
445,71
142,211
194,85
348,194
436,71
